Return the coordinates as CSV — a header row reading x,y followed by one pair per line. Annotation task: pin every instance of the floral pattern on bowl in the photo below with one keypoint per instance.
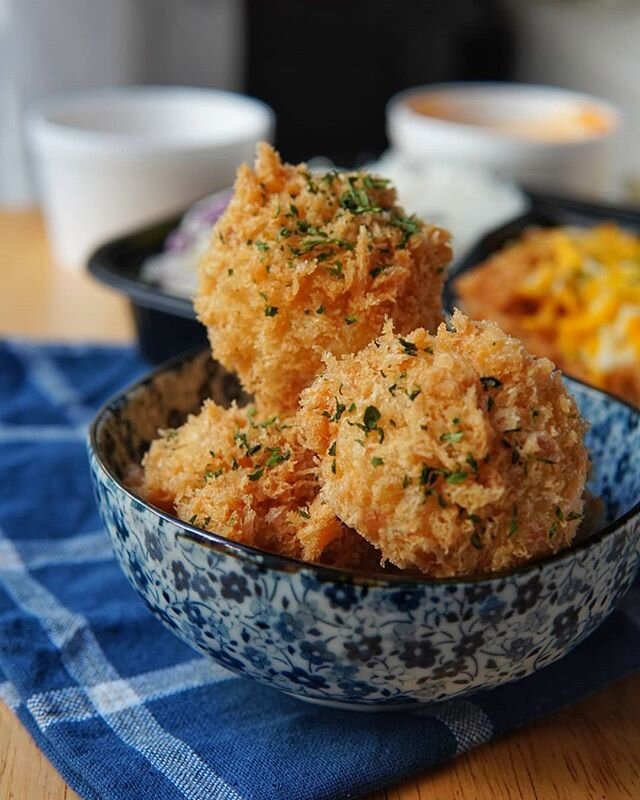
x,y
346,639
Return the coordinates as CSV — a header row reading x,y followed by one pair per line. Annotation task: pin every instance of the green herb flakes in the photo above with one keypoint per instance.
x,y
490,382
453,436
409,348
475,541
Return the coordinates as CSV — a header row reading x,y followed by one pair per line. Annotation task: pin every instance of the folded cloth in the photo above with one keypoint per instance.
x,y
121,707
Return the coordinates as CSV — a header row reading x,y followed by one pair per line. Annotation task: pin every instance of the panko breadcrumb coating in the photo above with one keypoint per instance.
x,y
457,453
301,264
248,478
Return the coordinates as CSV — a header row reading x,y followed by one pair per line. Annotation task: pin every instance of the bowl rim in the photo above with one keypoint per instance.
x,y
324,573
398,107
47,131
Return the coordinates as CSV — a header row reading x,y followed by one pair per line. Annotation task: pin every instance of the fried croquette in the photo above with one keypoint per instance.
x,y
301,264
248,479
454,454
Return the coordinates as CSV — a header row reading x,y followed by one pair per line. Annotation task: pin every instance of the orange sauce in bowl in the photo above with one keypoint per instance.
x,y
574,122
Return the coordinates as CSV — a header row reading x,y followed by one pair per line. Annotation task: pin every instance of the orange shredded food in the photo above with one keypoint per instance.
x,y
571,294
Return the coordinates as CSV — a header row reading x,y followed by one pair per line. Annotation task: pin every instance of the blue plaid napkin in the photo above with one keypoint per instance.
x,y
126,711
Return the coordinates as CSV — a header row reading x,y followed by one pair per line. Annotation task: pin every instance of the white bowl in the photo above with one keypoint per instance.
x,y
110,160
506,127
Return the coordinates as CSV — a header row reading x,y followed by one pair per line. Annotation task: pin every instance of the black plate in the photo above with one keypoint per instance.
x,y
166,324
546,211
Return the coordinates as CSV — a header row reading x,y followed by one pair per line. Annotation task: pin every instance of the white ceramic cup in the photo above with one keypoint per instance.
x,y
492,135
110,160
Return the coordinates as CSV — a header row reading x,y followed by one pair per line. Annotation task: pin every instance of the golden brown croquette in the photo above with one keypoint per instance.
x,y
247,478
302,264
457,453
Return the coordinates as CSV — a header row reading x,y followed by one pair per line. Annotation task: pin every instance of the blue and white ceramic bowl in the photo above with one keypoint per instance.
x,y
346,639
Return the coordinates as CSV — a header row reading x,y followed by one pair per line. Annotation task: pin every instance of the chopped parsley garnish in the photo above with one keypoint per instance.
x,y
285,232
475,540
350,320
270,311
333,466
513,525
573,515
376,461
276,456
329,177
336,270
472,463
255,476
340,409
490,382
457,477
262,246
213,473
408,226
406,482
414,393
292,212
372,182
304,513
376,271
453,436
241,438
356,200
320,310
351,408
332,449
369,423
371,418
310,183
193,519
429,475
409,347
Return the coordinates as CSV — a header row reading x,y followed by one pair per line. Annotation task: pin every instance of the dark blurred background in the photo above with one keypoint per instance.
x,y
327,67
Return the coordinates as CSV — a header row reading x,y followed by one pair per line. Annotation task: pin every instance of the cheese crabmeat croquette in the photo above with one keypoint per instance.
x,y
302,264
247,478
454,454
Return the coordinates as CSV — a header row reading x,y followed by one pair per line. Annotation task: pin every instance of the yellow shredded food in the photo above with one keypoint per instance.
x,y
572,294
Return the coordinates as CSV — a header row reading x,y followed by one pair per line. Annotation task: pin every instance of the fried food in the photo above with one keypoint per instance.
x,y
301,264
455,454
247,478
571,294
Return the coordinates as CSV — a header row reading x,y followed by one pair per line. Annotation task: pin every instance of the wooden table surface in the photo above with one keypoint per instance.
x,y
590,751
